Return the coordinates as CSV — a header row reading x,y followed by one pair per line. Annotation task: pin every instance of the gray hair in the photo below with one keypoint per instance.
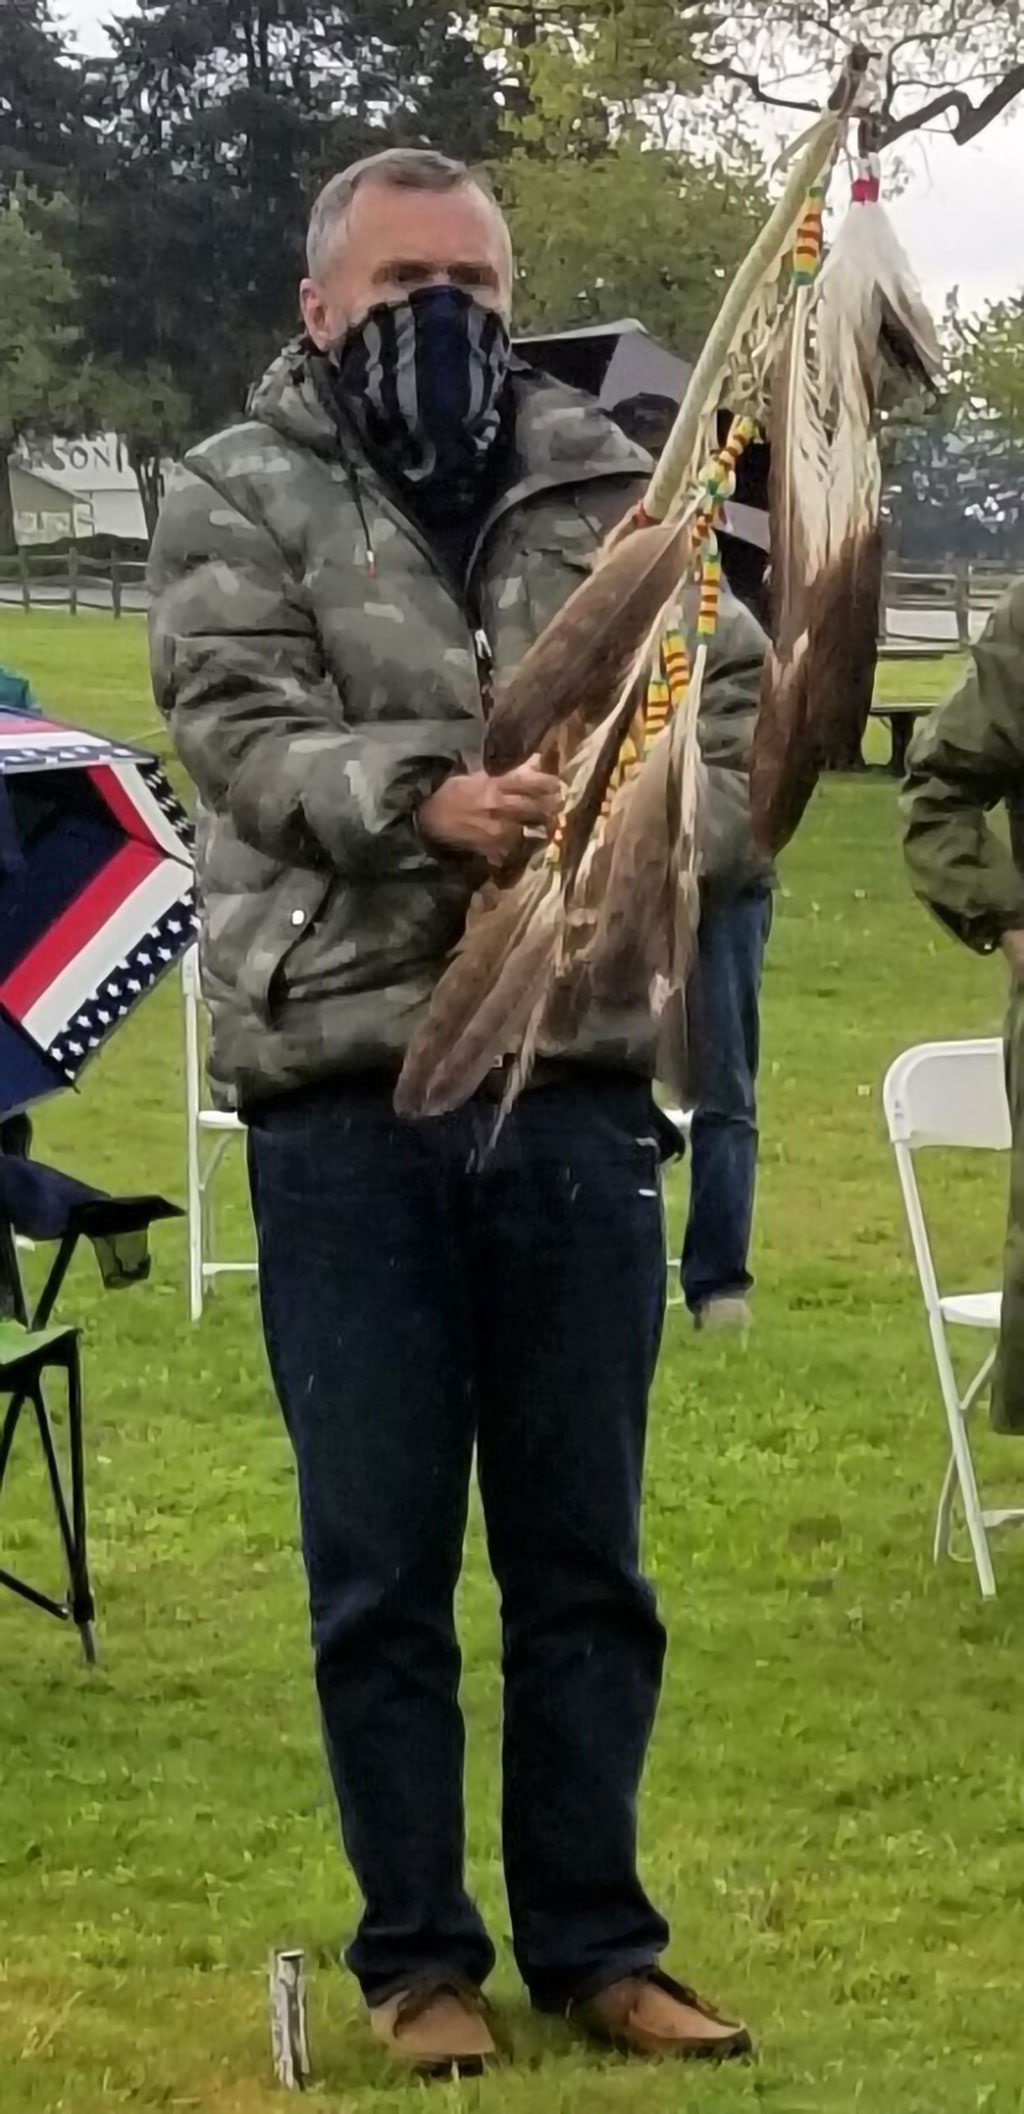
x,y
404,169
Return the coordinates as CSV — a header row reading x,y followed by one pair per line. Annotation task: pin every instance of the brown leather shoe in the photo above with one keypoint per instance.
x,y
438,2028
649,2014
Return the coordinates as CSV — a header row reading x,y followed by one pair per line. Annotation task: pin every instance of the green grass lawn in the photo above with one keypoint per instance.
x,y
834,1817
924,682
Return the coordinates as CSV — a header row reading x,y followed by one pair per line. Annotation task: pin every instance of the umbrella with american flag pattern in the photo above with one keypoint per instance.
x,y
96,896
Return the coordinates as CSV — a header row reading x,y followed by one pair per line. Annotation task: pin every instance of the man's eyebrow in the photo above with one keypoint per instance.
x,y
402,267
394,267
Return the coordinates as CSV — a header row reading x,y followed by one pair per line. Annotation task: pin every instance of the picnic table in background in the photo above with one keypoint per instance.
x,y
901,714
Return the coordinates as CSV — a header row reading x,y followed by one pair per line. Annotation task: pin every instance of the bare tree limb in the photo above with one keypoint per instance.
x,y
971,118
760,93
893,83
969,110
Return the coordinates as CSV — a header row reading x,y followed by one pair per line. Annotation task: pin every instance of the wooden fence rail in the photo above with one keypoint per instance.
x,y
961,590
71,580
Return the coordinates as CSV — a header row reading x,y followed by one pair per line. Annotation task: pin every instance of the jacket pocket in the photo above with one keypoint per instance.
x,y
373,936
298,901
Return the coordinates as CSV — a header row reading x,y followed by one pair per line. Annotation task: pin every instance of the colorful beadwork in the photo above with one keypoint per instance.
x,y
675,662
667,688
808,246
710,590
657,708
719,480
867,184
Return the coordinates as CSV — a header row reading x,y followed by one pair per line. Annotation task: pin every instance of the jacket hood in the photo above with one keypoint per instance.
x,y
561,435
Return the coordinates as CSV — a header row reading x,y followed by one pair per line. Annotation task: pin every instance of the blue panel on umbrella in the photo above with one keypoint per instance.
x,y
65,842
12,858
26,1074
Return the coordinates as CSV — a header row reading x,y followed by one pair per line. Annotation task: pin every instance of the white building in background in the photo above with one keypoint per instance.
x,y
75,489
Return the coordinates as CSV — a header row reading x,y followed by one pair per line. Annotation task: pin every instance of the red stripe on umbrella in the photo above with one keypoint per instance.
x,y
114,792
86,916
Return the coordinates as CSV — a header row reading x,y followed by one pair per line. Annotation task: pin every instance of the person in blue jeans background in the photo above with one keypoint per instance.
x,y
725,1037
722,1022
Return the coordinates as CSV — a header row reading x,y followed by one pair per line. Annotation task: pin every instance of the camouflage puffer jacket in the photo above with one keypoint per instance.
x,y
730,859
321,672
966,760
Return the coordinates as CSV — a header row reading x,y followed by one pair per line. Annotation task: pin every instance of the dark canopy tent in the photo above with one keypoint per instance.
x,y
631,373
641,384
612,361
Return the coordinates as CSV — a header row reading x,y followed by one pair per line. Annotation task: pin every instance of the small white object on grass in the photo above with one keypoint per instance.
x,y
288,2019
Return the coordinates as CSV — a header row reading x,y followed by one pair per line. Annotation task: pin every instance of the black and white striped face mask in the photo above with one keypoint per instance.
x,y
423,380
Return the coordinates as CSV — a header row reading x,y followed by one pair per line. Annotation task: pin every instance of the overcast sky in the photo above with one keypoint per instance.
x,y
958,217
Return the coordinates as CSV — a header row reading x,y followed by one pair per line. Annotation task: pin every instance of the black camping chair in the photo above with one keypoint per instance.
x,y
41,1204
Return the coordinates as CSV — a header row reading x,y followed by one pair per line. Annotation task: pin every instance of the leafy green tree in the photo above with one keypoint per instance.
x,y
155,419
626,233
953,485
952,488
41,128
613,210
219,120
945,64
990,348
45,382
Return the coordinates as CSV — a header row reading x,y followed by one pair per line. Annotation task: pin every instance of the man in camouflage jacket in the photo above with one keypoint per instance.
x,y
966,760
335,583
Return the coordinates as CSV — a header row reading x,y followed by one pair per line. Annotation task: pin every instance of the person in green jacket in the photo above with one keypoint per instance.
x,y
964,762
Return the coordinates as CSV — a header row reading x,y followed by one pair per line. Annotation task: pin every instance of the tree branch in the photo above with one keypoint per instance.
x,y
971,118
759,93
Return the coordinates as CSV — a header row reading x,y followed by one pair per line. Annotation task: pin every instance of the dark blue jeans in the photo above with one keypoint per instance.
x,y
725,1034
421,1298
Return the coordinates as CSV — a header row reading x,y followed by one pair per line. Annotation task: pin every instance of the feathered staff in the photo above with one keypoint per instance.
x,y
617,883
857,324
614,896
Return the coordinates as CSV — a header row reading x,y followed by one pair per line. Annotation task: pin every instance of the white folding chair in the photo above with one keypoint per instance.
x,y
952,1094
209,1134
682,1119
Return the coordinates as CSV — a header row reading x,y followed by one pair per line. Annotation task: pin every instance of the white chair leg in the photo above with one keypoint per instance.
x,y
675,1296
975,1523
195,1255
972,1503
209,1254
204,1155
209,1223
944,1521
193,1163
195,1230
964,1463
195,1276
